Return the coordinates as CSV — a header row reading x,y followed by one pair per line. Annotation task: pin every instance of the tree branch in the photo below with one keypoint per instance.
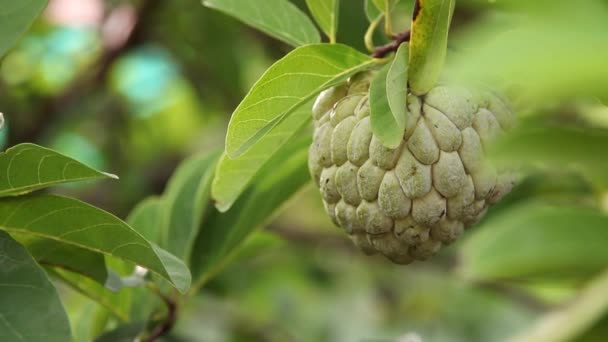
x,y
384,50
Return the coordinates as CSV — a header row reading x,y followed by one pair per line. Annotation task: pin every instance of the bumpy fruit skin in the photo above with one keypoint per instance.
x,y
407,202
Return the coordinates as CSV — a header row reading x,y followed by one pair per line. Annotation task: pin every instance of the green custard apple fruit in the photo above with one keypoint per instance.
x,y
405,203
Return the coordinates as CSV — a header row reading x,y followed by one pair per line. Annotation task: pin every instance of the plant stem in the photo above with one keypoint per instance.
x,y
382,51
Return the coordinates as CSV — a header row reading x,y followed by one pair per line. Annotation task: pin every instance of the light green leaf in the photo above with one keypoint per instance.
x,y
428,43
555,147
376,8
222,233
530,47
278,18
396,90
76,223
288,84
567,322
117,303
16,18
234,175
326,13
28,167
186,202
533,240
30,308
372,11
124,333
146,218
387,126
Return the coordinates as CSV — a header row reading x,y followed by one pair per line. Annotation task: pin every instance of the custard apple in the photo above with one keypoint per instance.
x,y
407,202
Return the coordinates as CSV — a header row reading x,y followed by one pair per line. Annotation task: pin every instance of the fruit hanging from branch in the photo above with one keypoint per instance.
x,y
406,198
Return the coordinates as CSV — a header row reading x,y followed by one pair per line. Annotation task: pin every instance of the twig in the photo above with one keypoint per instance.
x,y
382,51
168,322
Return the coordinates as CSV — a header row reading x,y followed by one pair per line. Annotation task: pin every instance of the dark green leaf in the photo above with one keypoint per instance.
x,y
537,240
288,84
278,18
79,224
30,308
326,13
28,167
57,254
17,16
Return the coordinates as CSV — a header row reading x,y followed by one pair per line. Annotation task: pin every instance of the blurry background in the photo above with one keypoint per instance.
x,y
134,87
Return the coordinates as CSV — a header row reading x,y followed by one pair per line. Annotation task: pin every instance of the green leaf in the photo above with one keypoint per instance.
x,y
389,127
17,16
372,11
531,47
117,303
76,223
376,8
556,147
222,233
428,43
57,254
234,175
533,240
146,218
186,202
30,308
278,18
326,13
28,167
392,122
124,333
567,322
288,84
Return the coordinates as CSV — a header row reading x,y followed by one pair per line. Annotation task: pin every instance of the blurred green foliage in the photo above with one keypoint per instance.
x,y
139,108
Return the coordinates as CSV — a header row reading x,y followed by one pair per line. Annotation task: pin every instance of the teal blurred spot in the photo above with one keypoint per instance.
x,y
145,78
66,50
4,135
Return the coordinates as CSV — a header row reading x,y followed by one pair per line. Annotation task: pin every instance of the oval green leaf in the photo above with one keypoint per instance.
x,y
223,233
28,167
76,223
234,175
17,16
278,18
326,13
555,147
388,127
537,240
396,88
428,43
30,308
186,202
288,84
